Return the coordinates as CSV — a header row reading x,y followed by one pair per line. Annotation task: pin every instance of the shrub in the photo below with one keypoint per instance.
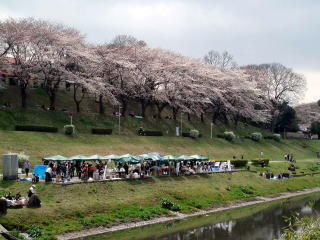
x,y
194,133
69,129
256,136
185,134
153,133
34,231
259,161
22,158
167,204
239,162
230,136
276,137
36,128
102,131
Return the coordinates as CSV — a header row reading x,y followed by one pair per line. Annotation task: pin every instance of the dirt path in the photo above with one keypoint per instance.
x,y
179,216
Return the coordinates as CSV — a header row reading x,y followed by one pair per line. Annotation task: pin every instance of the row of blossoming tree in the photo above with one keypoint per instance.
x,y
128,70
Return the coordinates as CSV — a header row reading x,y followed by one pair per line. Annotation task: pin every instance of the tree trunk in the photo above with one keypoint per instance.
x,y
225,118
124,108
189,117
143,108
52,99
174,113
160,108
202,118
214,117
23,94
78,102
101,107
78,106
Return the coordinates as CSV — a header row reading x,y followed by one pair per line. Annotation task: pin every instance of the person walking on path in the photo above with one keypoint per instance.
x,y
26,167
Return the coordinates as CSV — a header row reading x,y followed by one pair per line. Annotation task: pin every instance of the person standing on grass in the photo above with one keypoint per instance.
x,y
26,167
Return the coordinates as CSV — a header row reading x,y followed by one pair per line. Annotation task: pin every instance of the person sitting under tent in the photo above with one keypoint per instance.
x,y
48,177
35,178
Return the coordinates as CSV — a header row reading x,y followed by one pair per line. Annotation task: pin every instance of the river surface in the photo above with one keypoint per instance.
x,y
259,222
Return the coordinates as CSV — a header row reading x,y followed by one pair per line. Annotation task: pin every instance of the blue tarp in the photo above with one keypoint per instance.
x,y
40,170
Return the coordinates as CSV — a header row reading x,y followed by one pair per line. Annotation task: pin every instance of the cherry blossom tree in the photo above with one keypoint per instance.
x,y
54,46
277,82
16,40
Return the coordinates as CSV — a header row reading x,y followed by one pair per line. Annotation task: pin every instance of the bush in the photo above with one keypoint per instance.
x,y
230,136
194,133
260,161
239,162
69,129
256,136
35,231
167,204
102,131
276,137
185,134
22,158
36,128
153,133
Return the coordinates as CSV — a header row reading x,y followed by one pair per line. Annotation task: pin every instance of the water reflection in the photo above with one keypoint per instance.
x,y
267,224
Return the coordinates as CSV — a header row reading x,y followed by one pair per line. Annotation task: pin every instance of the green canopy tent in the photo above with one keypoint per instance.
x,y
56,158
112,157
184,158
78,157
96,157
128,158
169,158
199,158
149,157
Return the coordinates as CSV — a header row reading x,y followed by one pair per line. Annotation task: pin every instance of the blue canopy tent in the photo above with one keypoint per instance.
x,y
40,170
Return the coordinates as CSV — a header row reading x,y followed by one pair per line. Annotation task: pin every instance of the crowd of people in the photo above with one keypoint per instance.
x,y
98,170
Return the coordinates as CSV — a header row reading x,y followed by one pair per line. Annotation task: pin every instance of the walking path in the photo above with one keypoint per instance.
x,y
179,216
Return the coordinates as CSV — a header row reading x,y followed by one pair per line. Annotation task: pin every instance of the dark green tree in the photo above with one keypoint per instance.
x,y
286,120
315,128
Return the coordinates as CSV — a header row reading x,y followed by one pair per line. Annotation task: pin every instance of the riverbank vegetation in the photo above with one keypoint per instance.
x,y
307,228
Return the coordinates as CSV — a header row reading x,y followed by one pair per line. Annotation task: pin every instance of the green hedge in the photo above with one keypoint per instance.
x,y
36,128
101,131
276,137
259,161
239,162
153,133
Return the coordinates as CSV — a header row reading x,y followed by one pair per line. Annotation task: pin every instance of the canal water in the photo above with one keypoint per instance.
x,y
259,222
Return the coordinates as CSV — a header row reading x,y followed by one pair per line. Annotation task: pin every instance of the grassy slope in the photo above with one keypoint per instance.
x,y
38,145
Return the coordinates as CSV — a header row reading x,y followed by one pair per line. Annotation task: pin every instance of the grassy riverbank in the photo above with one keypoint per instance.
x,y
75,207
38,145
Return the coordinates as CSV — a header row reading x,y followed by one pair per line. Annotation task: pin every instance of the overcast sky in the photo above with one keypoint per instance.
x,y
253,31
